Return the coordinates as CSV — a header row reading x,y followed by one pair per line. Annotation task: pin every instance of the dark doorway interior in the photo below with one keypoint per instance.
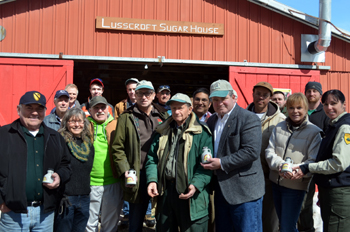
x,y
180,78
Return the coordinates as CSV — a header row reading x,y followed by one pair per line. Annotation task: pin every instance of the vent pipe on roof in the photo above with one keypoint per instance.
x,y
324,30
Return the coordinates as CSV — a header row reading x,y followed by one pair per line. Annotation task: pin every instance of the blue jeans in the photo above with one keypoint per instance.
x,y
288,205
35,220
245,217
126,208
138,210
76,216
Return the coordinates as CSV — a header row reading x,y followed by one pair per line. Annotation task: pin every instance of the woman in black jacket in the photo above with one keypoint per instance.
x,y
75,131
332,167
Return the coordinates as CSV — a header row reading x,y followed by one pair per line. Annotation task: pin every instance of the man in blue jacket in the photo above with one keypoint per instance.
x,y
238,177
28,150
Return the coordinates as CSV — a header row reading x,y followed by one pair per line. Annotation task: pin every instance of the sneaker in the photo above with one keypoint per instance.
x,y
150,220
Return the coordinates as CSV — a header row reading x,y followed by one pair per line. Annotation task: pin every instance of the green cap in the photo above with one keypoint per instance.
x,y
220,88
144,85
97,100
180,97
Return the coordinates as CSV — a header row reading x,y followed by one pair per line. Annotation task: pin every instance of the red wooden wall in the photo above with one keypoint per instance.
x,y
18,76
243,79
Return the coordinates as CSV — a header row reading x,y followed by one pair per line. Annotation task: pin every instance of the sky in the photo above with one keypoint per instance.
x,y
340,10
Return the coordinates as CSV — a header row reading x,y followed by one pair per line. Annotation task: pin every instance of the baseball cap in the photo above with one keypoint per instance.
x,y
144,85
97,80
264,85
131,80
163,87
220,88
33,97
60,93
180,97
97,100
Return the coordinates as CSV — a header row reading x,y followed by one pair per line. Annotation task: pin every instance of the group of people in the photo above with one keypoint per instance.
x,y
173,163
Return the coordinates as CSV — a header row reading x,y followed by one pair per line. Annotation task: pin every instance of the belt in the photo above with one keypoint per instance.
x,y
34,203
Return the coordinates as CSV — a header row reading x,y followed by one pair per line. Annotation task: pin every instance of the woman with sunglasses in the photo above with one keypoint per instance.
x,y
75,130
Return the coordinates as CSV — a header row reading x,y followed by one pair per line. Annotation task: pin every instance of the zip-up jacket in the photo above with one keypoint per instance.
x,y
301,145
195,137
126,149
103,170
334,146
13,166
272,118
319,118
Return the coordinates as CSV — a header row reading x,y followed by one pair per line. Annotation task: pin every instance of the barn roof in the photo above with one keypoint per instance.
x,y
301,16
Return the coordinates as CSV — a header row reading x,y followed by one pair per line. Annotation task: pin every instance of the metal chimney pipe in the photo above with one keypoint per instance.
x,y
324,30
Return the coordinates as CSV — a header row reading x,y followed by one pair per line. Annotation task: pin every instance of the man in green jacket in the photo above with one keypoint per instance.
x,y
173,169
133,139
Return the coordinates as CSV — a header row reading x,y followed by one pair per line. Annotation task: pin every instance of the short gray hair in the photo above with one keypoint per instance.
x,y
232,92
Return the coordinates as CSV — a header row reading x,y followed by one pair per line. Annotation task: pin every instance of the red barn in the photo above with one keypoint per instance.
x,y
187,44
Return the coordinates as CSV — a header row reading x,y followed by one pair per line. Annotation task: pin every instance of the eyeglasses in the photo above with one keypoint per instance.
x,y
73,122
141,94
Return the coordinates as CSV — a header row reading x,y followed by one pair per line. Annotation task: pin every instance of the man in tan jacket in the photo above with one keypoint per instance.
x,y
130,85
270,115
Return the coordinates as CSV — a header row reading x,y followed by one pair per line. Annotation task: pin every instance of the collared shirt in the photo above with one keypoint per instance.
x,y
35,160
341,159
219,127
205,117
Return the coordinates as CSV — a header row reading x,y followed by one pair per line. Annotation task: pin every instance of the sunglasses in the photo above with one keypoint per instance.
x,y
164,87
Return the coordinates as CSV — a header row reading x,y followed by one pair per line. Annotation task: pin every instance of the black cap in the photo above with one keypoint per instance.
x,y
97,100
314,85
33,97
60,93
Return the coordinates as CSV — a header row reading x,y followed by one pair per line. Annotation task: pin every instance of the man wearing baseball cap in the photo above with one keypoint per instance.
x,y
163,95
96,89
61,102
270,115
133,140
106,193
239,180
173,169
28,150
130,85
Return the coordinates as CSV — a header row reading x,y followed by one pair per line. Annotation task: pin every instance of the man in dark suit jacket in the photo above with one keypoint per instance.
x,y
239,184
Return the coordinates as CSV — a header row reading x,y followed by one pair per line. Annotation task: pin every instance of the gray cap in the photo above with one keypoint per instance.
x,y
131,80
97,100
144,85
314,85
220,88
180,97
